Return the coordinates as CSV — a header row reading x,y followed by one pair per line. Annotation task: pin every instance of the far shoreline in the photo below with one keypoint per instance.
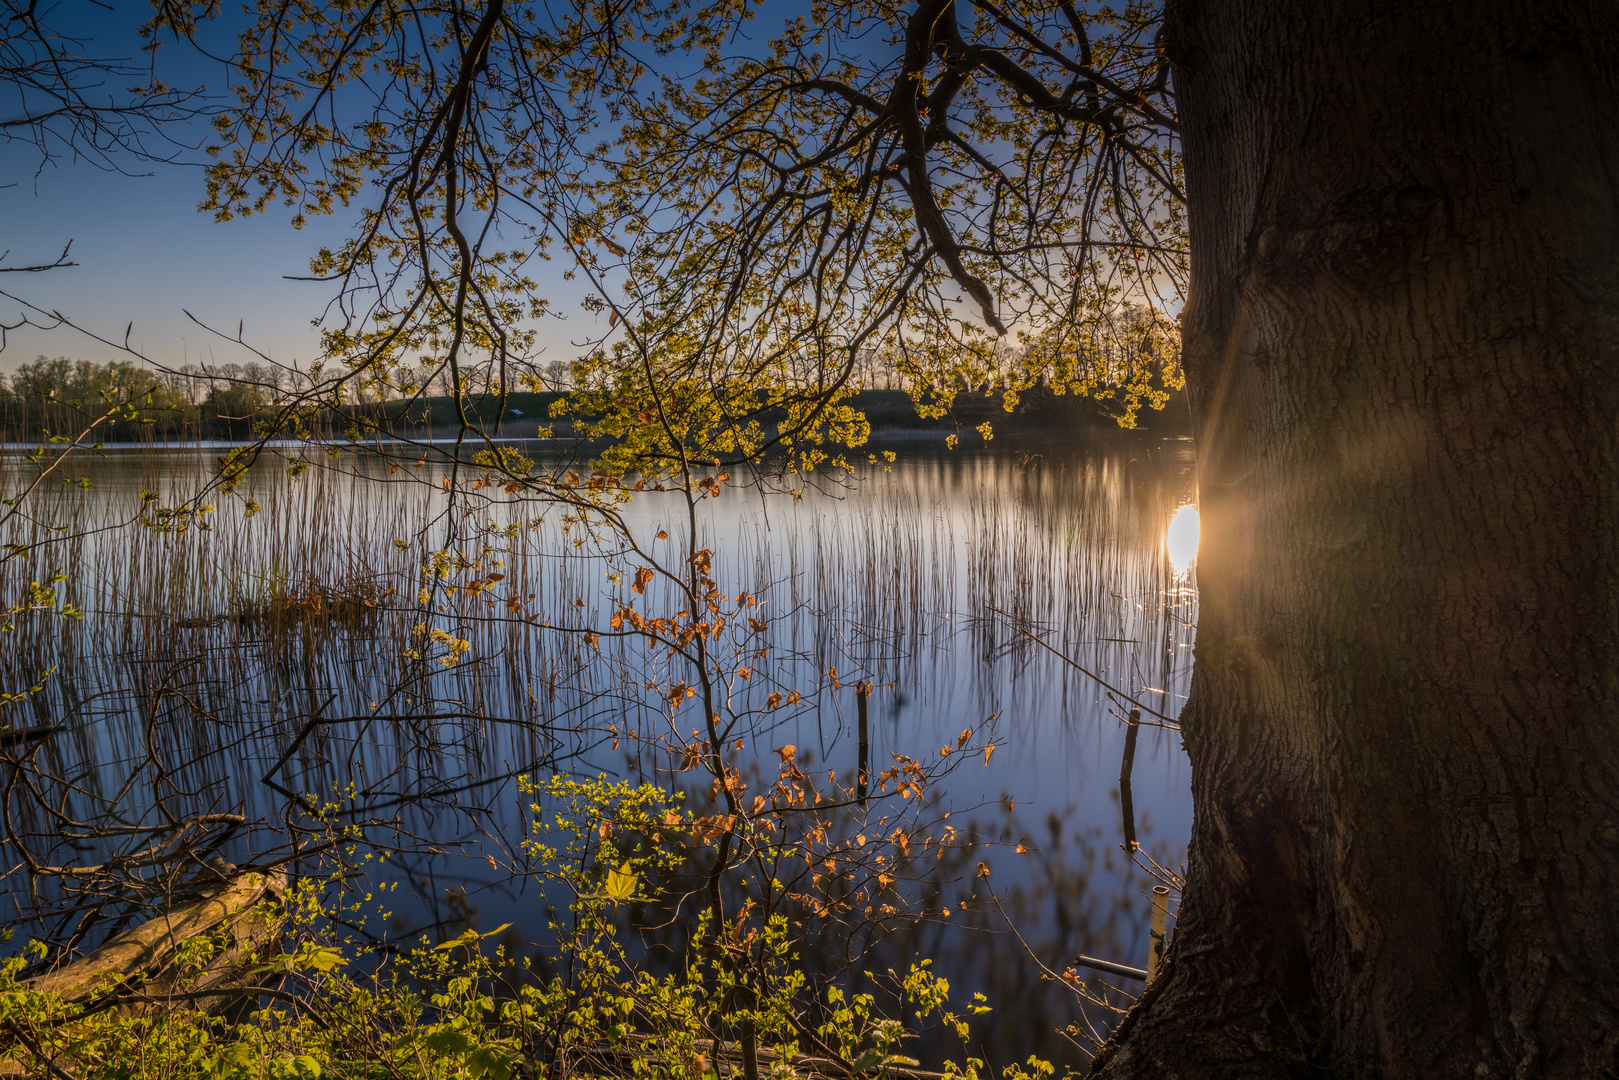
x,y
1046,418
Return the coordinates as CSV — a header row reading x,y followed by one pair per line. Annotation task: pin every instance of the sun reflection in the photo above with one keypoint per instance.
x,y
1181,541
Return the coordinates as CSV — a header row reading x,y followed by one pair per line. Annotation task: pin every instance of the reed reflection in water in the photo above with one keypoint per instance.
x,y
951,582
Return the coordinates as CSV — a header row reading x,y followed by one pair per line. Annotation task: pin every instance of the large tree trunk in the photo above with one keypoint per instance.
x,y
1404,722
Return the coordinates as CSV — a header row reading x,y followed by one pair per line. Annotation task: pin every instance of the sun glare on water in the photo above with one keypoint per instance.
x,y
1181,541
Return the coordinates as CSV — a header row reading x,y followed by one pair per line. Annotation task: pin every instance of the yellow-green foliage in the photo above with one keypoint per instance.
x,y
466,1009
755,226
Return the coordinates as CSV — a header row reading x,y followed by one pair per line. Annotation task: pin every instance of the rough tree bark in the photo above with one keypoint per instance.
x,y
1402,340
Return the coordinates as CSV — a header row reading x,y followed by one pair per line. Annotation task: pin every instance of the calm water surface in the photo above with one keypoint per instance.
x,y
937,580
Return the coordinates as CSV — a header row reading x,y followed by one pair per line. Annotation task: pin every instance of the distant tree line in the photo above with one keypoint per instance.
x,y
61,397
58,396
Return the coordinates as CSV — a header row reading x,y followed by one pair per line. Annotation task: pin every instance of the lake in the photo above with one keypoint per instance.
x,y
222,671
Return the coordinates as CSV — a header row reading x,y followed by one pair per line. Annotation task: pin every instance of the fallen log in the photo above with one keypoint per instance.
x,y
142,966
147,956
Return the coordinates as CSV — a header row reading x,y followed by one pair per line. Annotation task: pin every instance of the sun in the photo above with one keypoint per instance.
x,y
1181,540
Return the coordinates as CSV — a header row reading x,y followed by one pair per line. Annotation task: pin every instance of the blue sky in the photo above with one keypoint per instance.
x,y
147,256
